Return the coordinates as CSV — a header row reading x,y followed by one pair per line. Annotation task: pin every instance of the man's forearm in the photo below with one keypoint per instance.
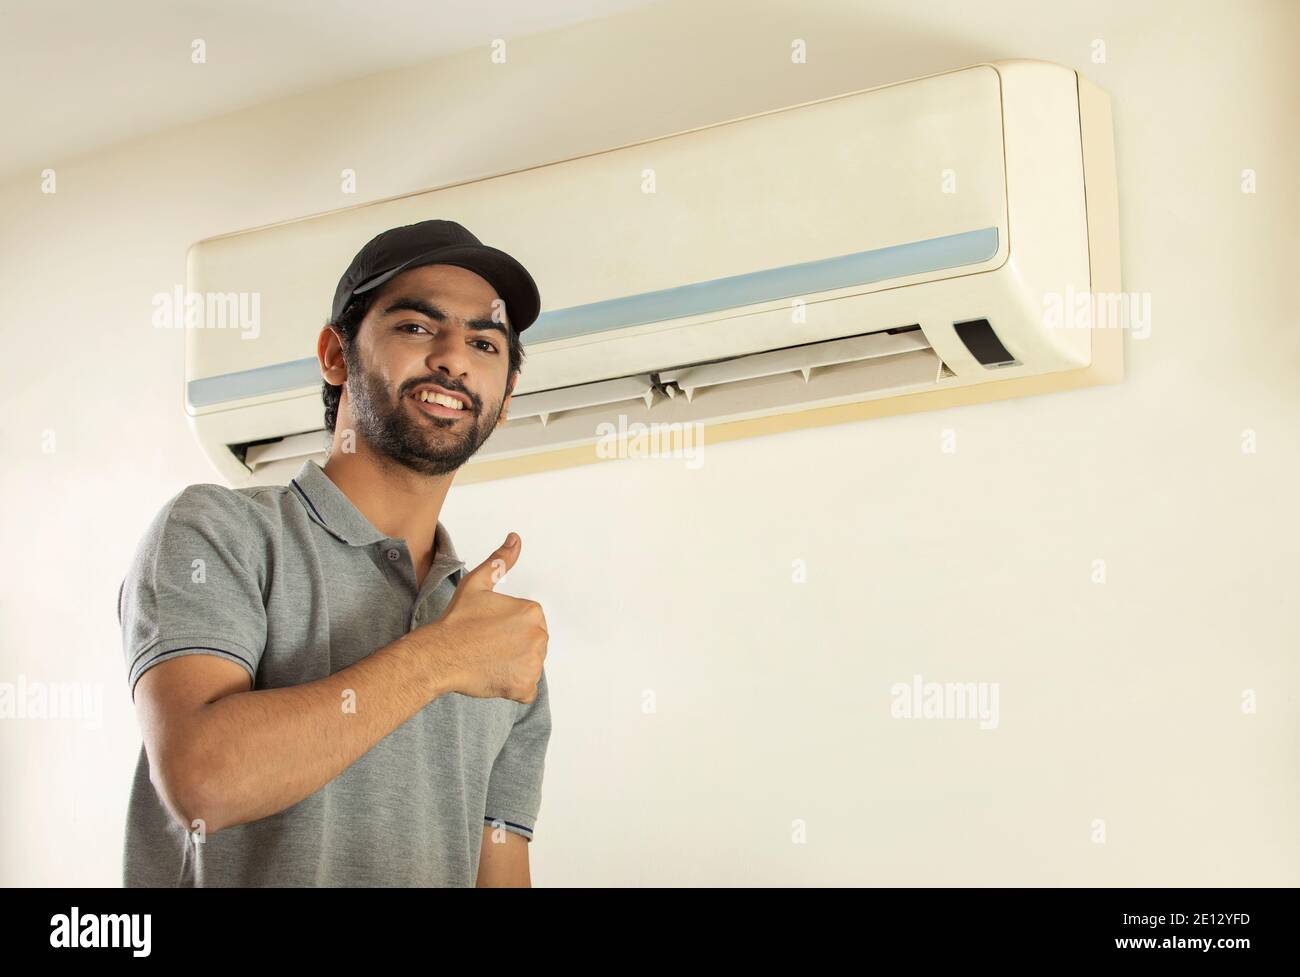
x,y
256,753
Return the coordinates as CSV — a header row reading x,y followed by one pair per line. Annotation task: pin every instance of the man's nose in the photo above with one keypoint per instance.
x,y
449,353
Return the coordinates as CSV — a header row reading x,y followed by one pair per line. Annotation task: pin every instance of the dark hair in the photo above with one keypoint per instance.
x,y
347,326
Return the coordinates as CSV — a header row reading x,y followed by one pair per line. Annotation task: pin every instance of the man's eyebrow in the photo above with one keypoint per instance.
x,y
409,304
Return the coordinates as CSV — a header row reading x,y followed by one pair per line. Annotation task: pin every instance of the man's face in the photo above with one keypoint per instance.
x,y
430,325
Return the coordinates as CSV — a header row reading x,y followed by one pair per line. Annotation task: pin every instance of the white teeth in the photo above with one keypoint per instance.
x,y
429,397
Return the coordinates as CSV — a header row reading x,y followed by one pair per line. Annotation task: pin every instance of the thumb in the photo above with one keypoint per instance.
x,y
487,574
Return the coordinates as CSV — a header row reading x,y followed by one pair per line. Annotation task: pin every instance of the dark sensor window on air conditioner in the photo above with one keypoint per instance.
x,y
983,343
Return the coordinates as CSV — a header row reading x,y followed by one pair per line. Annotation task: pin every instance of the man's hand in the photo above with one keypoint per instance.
x,y
493,645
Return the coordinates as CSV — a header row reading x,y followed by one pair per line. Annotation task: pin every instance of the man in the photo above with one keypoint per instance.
x,y
326,697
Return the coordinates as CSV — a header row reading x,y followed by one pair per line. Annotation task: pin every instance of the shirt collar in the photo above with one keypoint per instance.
x,y
330,507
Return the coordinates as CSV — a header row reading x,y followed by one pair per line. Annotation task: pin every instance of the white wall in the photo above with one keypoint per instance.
x,y
1119,701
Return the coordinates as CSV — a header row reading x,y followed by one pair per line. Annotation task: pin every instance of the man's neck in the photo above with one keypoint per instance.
x,y
398,502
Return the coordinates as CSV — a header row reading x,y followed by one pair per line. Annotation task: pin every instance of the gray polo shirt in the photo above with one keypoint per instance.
x,y
293,583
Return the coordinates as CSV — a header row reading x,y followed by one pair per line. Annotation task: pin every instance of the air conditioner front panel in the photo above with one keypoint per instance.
x,y
763,196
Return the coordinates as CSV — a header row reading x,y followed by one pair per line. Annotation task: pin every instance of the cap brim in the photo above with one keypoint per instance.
x,y
512,282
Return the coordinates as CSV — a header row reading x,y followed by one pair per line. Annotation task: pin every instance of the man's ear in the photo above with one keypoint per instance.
x,y
505,404
329,352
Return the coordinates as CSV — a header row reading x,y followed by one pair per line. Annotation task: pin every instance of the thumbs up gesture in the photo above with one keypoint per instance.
x,y
493,645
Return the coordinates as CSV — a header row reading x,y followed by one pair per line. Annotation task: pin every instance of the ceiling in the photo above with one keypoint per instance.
x,y
77,75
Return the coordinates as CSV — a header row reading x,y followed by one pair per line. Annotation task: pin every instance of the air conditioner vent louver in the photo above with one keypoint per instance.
x,y
778,381
806,361
294,448
803,359
544,403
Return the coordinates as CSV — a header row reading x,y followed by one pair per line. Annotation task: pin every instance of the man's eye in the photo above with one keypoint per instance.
x,y
412,325
490,347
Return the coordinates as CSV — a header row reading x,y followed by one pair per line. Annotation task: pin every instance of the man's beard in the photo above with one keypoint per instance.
x,y
425,444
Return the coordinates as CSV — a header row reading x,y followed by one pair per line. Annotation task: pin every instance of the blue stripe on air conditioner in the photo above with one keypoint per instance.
x,y
279,378
807,278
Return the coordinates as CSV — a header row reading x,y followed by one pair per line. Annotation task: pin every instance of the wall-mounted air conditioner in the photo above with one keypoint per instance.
x,y
901,248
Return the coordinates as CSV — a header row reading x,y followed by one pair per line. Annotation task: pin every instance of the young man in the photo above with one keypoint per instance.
x,y
326,697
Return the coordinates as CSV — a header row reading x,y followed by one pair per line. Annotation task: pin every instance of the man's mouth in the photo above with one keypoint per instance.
x,y
440,403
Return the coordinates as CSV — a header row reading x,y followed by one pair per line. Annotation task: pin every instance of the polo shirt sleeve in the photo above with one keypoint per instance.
x,y
514,794
194,585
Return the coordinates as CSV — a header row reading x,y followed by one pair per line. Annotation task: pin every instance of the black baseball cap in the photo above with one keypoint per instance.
x,y
440,242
